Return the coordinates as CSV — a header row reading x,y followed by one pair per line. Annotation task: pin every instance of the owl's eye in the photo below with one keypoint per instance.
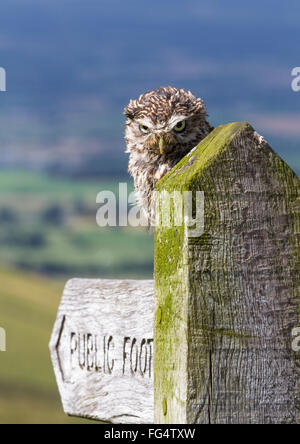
x,y
180,126
144,129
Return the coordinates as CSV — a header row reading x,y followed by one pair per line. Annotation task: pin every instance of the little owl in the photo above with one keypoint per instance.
x,y
162,127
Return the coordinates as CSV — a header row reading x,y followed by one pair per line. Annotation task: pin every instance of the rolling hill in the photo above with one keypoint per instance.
x,y
28,391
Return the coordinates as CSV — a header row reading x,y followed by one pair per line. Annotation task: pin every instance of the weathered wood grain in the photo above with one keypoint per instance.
x,y
102,350
228,301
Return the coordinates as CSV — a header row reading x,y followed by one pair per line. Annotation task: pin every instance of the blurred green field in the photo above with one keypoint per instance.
x,y
28,391
48,233
48,225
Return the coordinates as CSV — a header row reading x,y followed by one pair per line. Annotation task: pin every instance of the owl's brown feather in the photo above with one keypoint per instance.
x,y
154,120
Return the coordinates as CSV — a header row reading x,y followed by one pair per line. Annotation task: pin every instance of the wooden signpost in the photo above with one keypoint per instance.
x,y
228,301
226,317
102,350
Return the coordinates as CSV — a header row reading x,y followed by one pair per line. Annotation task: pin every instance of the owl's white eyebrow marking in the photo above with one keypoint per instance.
x,y
175,119
145,121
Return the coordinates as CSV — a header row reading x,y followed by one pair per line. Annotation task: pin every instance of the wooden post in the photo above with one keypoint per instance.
x,y
228,300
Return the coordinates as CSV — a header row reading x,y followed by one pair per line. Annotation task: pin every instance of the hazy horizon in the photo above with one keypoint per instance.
x,y
72,67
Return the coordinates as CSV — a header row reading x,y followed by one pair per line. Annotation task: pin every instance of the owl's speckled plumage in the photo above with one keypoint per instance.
x,y
162,127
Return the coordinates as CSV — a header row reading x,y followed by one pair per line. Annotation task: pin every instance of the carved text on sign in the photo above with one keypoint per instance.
x,y
95,353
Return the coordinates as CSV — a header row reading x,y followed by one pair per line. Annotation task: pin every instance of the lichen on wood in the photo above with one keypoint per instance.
x,y
227,301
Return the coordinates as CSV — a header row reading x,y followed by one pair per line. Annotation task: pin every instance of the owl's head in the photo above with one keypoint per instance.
x,y
165,122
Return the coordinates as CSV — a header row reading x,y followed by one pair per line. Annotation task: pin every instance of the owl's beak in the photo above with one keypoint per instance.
x,y
162,145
